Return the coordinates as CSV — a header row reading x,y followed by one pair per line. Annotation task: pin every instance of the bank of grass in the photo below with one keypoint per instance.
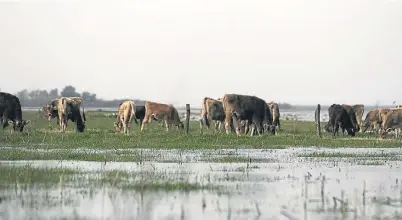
x,y
100,135
69,154
27,175
30,175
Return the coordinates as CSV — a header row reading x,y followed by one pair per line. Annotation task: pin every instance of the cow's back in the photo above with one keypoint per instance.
x,y
11,104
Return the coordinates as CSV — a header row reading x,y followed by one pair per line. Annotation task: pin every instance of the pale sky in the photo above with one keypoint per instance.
x,y
179,51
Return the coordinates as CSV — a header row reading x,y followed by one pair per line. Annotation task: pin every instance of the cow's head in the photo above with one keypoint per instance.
x,y
81,127
49,111
181,125
351,131
117,125
19,125
328,128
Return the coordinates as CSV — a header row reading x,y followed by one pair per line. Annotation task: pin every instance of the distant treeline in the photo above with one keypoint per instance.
x,y
38,97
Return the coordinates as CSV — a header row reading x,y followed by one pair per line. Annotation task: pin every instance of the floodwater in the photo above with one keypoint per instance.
x,y
277,184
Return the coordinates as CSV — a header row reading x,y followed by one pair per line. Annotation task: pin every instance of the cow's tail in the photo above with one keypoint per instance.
x,y
204,112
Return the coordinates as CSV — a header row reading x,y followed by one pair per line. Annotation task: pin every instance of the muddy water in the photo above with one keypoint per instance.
x,y
273,188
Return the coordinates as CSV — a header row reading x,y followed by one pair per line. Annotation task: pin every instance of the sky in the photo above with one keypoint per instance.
x,y
179,51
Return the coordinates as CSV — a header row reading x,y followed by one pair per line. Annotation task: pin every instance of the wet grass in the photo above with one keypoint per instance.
x,y
30,175
100,135
350,155
53,177
68,154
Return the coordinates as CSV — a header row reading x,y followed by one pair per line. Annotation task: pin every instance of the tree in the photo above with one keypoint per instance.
x,y
69,91
23,95
53,93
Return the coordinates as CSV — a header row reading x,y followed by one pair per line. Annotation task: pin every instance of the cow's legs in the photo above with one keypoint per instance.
x,y
216,125
201,126
63,124
228,117
5,119
258,125
145,121
220,125
166,124
125,126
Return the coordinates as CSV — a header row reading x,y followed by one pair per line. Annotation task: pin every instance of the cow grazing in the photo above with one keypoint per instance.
x,y
251,108
392,121
275,114
339,117
212,110
125,116
359,111
371,121
10,110
69,108
351,110
159,111
50,110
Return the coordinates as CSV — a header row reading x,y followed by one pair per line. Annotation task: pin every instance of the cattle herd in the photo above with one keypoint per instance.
x,y
233,112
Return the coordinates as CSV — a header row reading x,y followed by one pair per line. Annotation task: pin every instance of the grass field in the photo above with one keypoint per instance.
x,y
100,134
48,174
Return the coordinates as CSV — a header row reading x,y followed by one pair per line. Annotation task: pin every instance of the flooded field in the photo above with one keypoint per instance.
x,y
292,183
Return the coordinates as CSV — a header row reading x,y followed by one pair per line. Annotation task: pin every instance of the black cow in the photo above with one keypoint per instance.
x,y
10,109
339,117
250,108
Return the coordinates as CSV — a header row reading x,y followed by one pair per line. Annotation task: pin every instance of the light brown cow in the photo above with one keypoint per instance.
x,y
125,116
372,121
274,107
212,110
392,121
69,108
159,111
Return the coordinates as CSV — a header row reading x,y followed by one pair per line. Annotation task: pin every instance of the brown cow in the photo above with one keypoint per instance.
x,y
159,111
69,108
372,121
212,110
275,114
125,116
392,121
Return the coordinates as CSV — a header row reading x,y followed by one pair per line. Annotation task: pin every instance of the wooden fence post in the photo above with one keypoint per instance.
x,y
187,118
317,120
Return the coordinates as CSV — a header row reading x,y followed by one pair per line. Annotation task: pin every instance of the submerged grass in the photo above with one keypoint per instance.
x,y
350,155
30,175
118,156
100,135
52,177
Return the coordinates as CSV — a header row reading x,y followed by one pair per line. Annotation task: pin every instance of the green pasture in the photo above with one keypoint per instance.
x,y
99,134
